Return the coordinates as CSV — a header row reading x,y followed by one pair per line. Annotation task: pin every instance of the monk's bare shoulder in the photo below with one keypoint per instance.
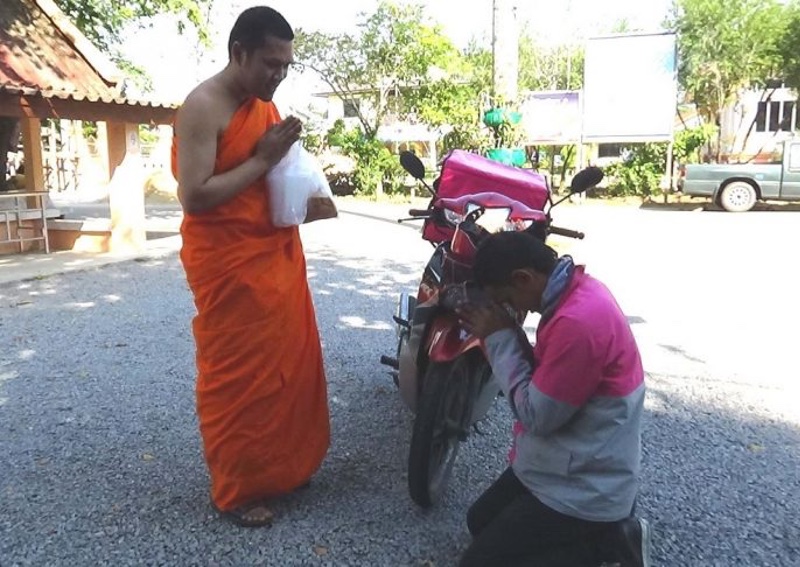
x,y
206,105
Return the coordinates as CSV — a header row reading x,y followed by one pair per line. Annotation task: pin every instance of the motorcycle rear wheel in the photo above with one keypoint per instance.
x,y
443,417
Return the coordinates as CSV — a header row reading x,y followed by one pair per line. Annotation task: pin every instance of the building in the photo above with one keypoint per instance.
x,y
755,126
49,70
398,135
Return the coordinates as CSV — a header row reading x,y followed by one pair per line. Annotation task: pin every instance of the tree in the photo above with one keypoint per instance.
x,y
550,67
541,67
395,51
398,64
102,21
725,46
788,47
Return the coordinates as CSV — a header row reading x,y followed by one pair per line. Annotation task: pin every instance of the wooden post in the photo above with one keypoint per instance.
x,y
34,158
34,167
126,188
53,177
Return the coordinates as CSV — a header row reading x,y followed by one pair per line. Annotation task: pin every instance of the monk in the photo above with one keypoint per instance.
x,y
261,390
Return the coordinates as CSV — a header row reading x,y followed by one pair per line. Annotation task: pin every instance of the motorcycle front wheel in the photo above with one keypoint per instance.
x,y
444,411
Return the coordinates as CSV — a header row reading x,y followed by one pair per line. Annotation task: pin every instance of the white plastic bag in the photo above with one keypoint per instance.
x,y
298,190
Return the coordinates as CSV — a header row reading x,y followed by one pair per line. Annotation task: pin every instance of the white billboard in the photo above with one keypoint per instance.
x,y
630,88
551,117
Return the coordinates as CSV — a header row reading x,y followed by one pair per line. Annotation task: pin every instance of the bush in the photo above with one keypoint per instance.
x,y
640,171
339,170
374,163
643,166
690,141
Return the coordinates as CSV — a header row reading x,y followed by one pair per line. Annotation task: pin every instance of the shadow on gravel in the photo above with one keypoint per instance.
x,y
720,486
102,460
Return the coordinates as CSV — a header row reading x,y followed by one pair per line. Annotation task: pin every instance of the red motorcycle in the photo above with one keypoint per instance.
x,y
441,370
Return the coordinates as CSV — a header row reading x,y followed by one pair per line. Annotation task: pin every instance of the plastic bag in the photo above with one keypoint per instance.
x,y
298,190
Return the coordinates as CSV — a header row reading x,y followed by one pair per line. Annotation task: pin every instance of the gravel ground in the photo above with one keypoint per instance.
x,y
102,463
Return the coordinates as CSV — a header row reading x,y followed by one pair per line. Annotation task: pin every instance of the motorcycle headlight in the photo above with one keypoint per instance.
x,y
494,219
453,217
517,225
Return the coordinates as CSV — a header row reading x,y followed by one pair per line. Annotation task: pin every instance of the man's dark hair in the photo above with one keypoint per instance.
x,y
254,25
501,254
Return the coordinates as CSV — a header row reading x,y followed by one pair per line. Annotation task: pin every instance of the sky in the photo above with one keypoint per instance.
x,y
176,65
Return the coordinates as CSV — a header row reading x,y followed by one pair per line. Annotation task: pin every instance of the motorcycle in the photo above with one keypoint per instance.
x,y
440,369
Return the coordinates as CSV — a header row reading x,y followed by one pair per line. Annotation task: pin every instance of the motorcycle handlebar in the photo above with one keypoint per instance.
x,y
566,232
419,213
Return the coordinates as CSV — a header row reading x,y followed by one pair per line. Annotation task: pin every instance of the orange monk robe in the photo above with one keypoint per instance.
x,y
261,392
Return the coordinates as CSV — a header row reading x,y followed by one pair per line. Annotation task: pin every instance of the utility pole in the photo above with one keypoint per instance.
x,y
505,52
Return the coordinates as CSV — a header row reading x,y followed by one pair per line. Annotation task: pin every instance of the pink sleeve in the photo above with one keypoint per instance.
x,y
569,365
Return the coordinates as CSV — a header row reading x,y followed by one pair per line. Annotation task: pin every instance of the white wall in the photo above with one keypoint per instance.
x,y
737,118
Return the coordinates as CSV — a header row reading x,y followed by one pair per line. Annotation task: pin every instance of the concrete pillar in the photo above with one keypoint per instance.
x,y
126,188
505,51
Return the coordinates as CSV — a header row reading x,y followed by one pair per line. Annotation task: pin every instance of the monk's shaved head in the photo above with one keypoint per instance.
x,y
255,25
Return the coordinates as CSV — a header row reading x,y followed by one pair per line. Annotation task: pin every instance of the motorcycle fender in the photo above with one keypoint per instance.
x,y
447,340
485,399
408,375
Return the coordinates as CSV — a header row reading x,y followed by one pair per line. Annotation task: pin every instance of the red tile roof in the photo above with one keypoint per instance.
x,y
43,55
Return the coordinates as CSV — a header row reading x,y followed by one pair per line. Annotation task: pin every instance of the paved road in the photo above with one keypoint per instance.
x,y
101,460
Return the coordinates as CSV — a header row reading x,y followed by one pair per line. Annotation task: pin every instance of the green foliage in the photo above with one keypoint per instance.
x,y
454,106
507,135
472,138
688,142
395,51
312,141
90,130
336,135
102,21
643,166
550,67
375,164
541,66
788,47
137,75
725,46
640,172
148,135
569,157
401,67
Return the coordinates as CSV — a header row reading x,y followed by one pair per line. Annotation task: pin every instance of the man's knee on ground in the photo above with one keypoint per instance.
x,y
475,523
471,559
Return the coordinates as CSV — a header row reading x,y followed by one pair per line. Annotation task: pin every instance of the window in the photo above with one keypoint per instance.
x,y
761,117
351,108
609,150
787,123
777,116
774,116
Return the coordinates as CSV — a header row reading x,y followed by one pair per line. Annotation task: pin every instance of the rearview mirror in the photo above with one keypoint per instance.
x,y
586,179
412,164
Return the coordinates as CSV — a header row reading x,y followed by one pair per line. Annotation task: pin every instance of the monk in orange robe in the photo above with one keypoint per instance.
x,y
261,390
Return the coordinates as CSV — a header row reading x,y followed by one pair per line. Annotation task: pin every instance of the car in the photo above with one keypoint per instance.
x,y
738,187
